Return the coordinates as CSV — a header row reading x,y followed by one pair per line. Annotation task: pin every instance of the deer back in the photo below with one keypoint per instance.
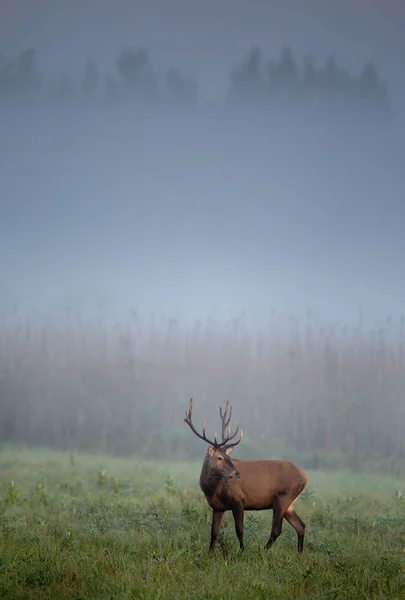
x,y
263,480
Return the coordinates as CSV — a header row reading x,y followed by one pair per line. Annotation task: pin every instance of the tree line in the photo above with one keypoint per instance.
x,y
257,80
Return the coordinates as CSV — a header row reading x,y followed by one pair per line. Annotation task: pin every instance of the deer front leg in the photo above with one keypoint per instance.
x,y
276,525
238,514
217,518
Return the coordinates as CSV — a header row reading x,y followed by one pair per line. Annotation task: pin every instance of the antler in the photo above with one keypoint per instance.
x,y
225,424
215,443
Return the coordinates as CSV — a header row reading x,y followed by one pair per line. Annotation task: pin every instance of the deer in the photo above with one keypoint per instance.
x,y
239,485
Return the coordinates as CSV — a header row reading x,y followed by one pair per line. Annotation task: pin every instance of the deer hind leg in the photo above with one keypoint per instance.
x,y
277,524
217,519
291,516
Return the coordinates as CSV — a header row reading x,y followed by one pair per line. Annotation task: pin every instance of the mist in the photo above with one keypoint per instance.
x,y
183,209
189,213
159,172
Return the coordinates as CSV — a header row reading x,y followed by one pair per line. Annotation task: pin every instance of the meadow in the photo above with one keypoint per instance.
x,y
99,492
81,526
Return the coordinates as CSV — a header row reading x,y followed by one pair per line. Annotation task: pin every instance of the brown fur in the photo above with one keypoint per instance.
x,y
241,485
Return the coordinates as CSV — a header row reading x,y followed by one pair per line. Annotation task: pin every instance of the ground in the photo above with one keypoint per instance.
x,y
93,527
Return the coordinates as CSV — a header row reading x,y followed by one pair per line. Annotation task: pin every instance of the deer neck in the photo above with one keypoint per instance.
x,y
210,480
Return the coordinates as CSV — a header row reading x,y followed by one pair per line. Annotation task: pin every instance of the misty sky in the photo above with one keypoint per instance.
x,y
190,219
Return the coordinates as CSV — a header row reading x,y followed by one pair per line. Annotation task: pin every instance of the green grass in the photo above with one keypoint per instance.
x,y
98,527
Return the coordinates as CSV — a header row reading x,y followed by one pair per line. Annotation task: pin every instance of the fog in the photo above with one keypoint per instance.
x,y
249,181
185,215
189,214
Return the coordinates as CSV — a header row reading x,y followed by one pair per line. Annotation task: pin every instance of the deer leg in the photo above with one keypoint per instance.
x,y
298,524
276,525
217,518
238,515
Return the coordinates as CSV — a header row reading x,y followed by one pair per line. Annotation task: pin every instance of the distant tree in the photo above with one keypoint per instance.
x,y
130,63
284,74
336,85
136,73
91,79
310,83
370,79
6,75
28,77
181,90
19,76
371,87
247,78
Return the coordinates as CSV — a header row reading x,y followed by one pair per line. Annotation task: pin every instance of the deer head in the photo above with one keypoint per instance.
x,y
217,458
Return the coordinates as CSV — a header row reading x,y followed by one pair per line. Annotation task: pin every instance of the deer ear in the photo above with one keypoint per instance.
x,y
229,450
211,451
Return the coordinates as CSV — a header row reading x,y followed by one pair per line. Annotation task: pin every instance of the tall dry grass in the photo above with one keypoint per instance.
x,y
305,387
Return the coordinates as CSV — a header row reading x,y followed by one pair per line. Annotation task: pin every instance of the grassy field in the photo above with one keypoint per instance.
x,y
82,527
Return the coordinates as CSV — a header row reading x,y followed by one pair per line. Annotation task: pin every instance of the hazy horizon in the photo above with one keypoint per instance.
x,y
205,39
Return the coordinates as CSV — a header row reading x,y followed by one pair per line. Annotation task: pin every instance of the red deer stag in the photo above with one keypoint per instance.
x,y
241,485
